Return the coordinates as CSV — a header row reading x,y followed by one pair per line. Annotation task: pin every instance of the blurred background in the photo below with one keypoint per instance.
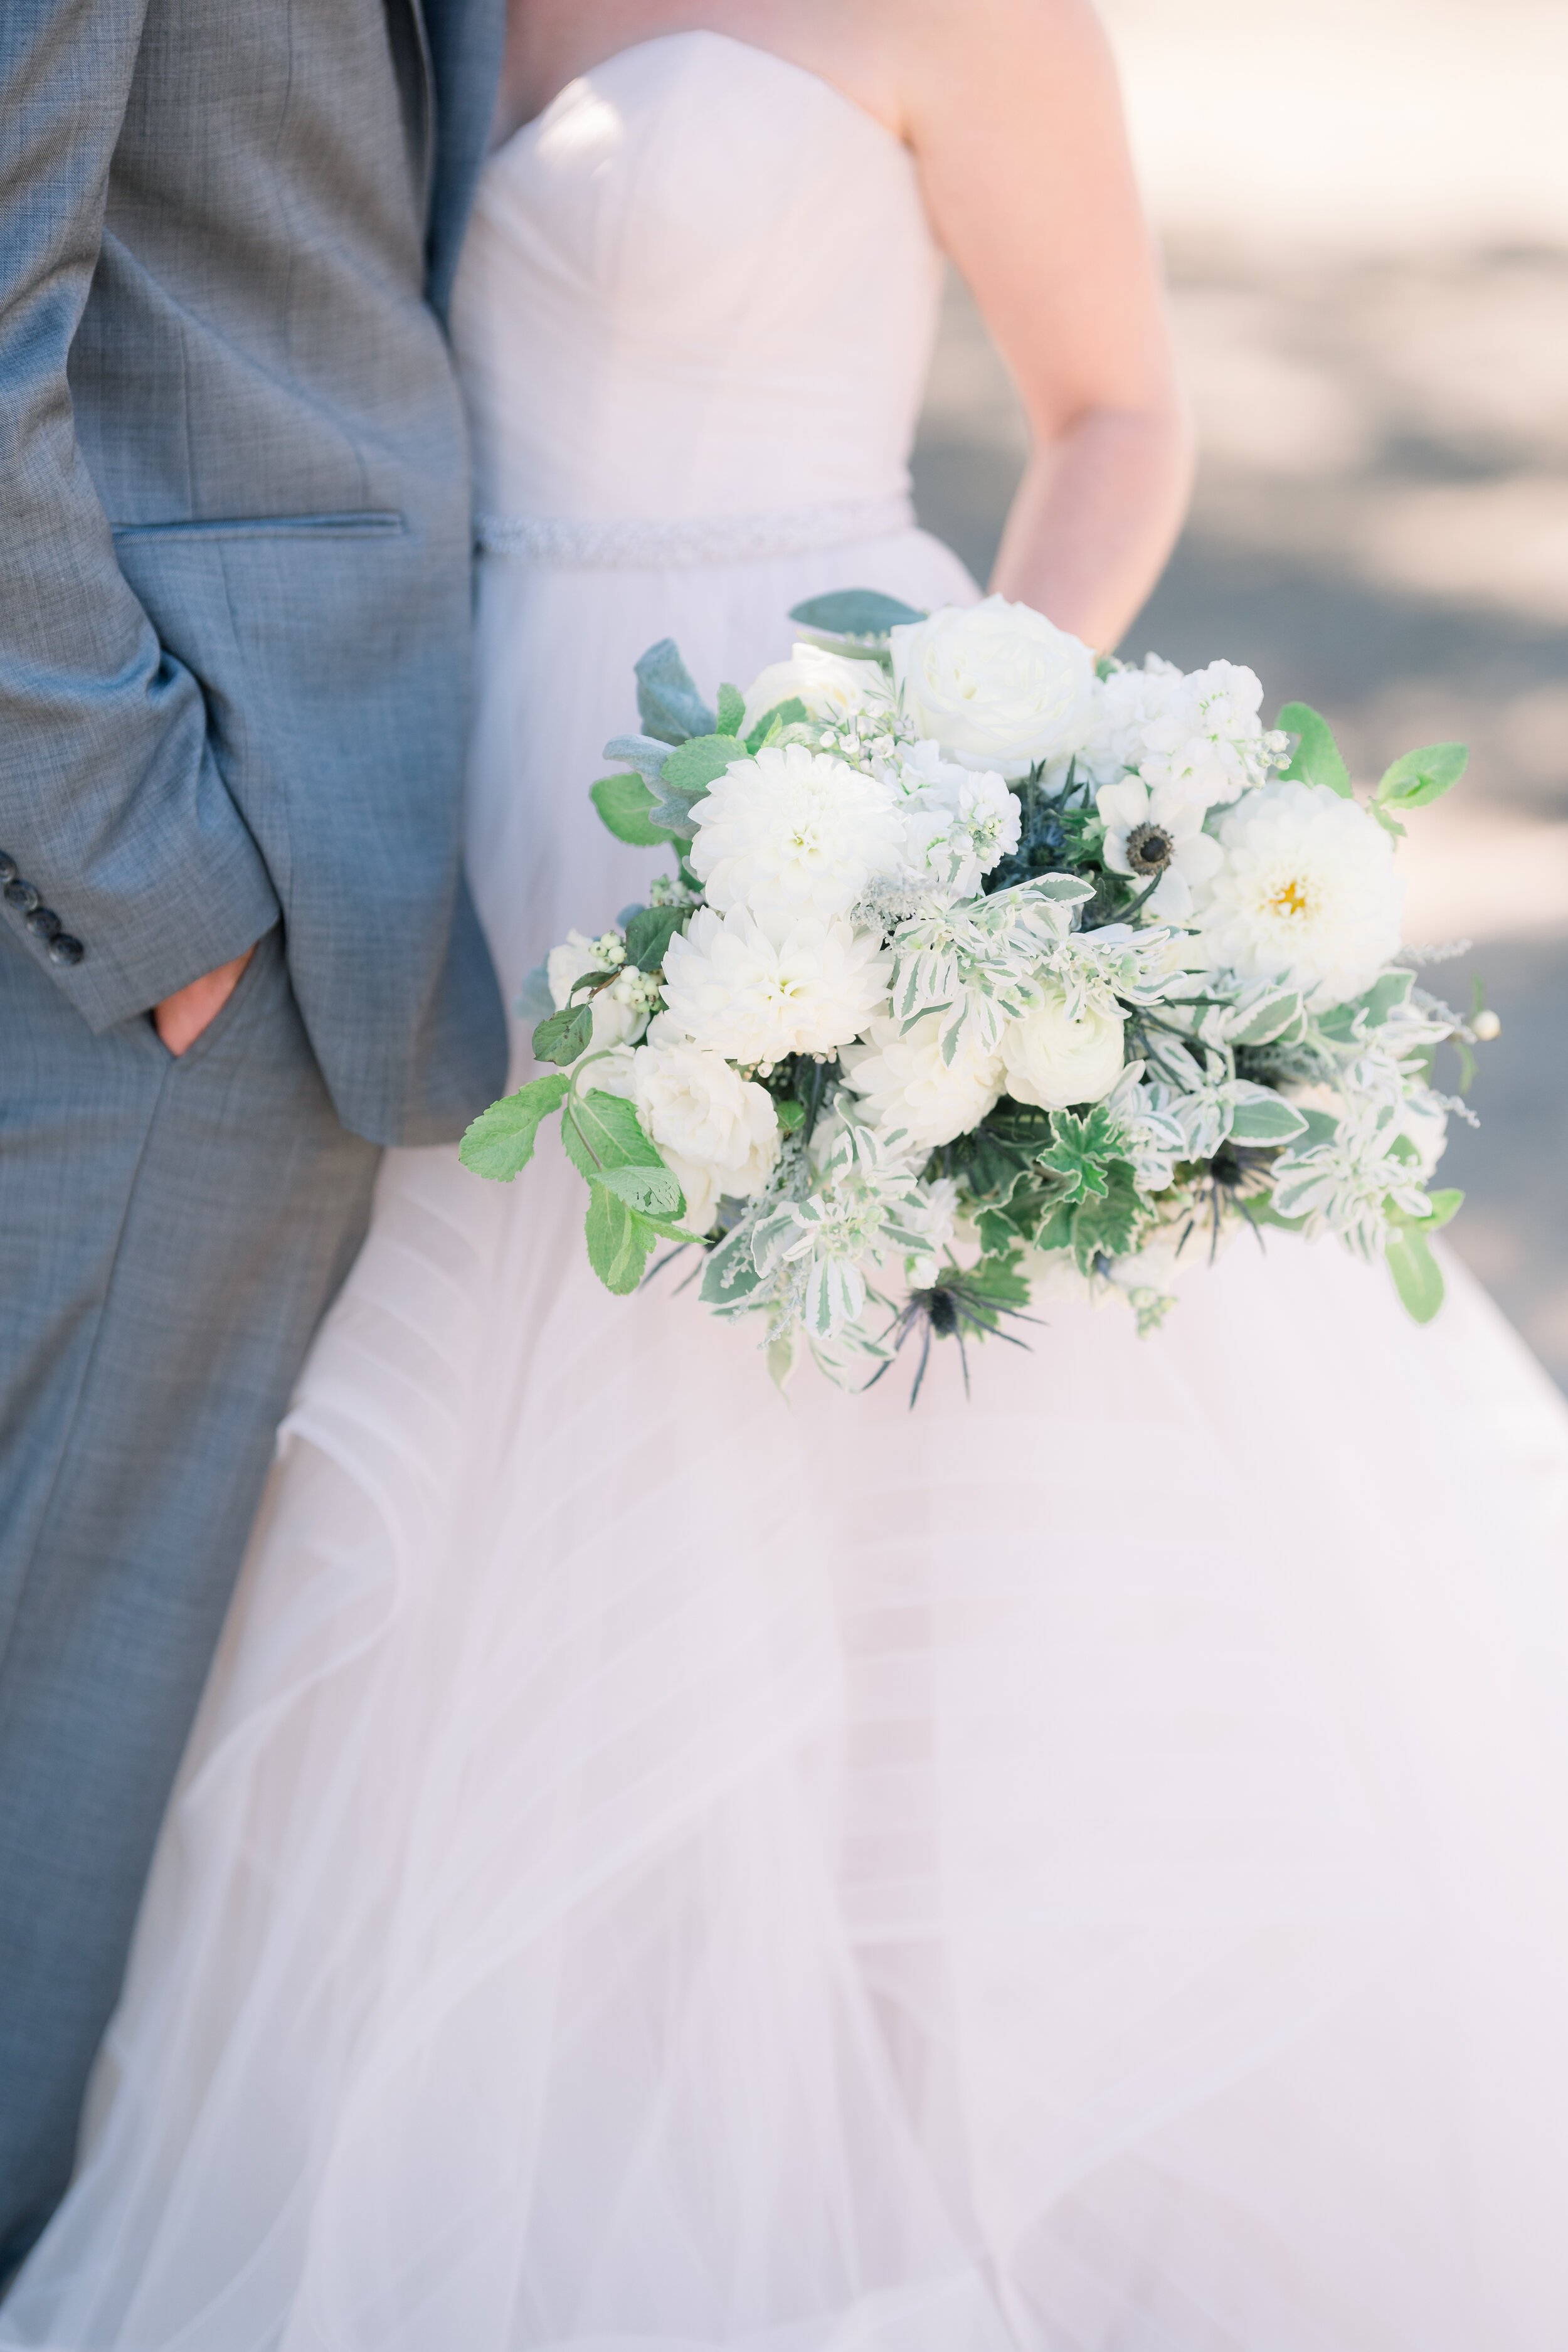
x,y
1364,205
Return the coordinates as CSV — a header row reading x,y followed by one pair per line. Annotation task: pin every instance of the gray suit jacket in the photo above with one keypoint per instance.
x,y
235,527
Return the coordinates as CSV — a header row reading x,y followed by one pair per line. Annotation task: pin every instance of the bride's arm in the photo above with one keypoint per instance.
x,y
1012,111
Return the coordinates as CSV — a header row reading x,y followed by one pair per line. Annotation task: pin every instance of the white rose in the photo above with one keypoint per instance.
x,y
996,684
1306,889
909,1089
717,1131
792,832
755,991
1053,1061
832,686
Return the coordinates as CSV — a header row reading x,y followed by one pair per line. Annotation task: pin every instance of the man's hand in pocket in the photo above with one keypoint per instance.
x,y
181,1018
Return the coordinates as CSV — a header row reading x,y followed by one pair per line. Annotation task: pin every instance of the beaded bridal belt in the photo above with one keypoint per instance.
x,y
697,538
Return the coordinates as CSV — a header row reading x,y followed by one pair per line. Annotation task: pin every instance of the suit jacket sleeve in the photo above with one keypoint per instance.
x,y
115,824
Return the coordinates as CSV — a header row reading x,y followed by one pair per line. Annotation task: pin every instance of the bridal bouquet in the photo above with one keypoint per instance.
x,y
984,967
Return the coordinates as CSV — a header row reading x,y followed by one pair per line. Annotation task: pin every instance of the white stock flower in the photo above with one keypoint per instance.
x,y
1208,745
1306,889
716,1130
792,832
957,822
997,684
1122,705
755,992
833,688
910,1089
1053,1059
1146,834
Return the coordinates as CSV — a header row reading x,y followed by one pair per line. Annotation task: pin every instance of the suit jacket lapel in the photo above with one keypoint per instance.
x,y
463,40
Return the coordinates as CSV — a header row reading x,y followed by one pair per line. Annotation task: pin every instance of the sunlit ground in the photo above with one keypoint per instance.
x,y
1366,213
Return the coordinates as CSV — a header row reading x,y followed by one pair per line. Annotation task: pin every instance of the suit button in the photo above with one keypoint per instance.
x,y
63,949
43,922
21,893
7,867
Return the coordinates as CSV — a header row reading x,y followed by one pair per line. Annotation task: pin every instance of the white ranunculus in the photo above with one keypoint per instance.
x,y
1306,889
832,686
755,991
908,1088
792,832
957,822
1054,1061
1145,832
717,1131
996,685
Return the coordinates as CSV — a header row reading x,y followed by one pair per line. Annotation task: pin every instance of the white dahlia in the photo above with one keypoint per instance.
x,y
717,1131
792,832
910,1091
755,991
1306,889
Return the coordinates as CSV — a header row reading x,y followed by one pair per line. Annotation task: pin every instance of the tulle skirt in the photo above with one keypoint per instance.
x,y
663,1866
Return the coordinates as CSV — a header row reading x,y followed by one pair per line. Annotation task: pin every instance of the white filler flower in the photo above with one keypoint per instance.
x,y
792,832
995,684
755,991
832,686
719,1132
620,1011
1054,1060
1147,837
1306,888
911,1091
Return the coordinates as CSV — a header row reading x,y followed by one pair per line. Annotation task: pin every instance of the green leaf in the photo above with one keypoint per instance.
x,y
1270,1019
855,612
1108,1227
731,1276
655,1191
1418,1276
1318,758
791,1114
1266,1117
692,767
649,935
773,722
667,701
624,804
1419,778
500,1141
603,1131
565,1034
619,1240
1392,987
731,710
1081,1151
1445,1204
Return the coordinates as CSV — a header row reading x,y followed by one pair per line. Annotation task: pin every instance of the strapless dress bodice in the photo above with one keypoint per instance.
x,y
701,284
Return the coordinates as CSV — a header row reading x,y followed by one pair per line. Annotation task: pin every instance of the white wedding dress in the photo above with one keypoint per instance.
x,y
663,1868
